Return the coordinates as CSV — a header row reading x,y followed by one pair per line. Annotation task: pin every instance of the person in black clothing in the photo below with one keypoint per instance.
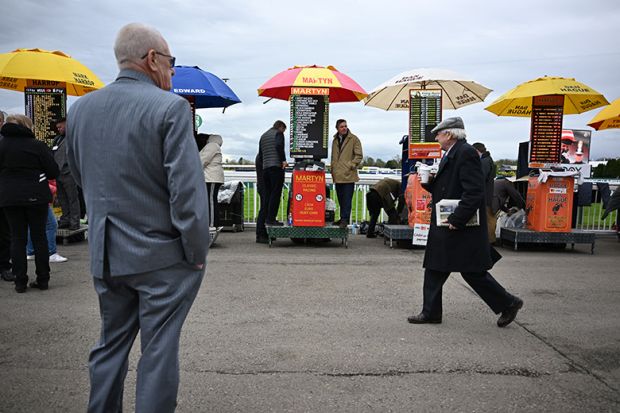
x,y
261,232
489,170
25,166
5,237
271,148
68,195
452,245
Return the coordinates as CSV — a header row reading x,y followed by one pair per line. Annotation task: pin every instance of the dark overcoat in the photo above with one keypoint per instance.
x,y
465,249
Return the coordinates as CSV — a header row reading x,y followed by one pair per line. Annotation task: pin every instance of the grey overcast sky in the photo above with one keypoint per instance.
x,y
497,43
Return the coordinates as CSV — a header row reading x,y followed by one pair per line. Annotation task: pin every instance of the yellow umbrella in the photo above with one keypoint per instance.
x,y
23,68
578,98
608,118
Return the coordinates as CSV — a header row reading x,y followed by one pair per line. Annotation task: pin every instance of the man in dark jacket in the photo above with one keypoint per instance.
x,y
383,194
5,237
68,196
489,170
453,246
271,147
505,195
25,166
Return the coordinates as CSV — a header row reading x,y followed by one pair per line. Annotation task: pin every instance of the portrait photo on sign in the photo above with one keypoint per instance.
x,y
575,147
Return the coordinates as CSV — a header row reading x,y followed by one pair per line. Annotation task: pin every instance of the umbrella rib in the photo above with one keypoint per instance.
x,y
466,88
375,95
447,94
396,95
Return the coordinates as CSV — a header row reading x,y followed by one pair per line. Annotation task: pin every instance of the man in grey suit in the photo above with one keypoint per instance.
x,y
131,148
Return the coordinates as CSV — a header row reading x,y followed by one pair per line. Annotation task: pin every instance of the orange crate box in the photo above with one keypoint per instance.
x,y
549,205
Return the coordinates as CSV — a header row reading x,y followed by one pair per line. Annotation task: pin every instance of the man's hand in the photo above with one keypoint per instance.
x,y
284,164
450,226
199,266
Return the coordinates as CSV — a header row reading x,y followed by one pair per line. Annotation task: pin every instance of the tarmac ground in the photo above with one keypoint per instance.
x,y
321,328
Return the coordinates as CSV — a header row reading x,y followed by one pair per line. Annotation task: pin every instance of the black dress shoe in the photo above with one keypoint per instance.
x,y
275,223
343,224
336,223
38,285
262,240
510,313
423,319
20,288
7,275
369,235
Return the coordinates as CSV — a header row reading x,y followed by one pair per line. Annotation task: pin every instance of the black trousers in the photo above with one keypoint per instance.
x,y
274,181
5,243
261,231
69,200
483,283
374,205
20,218
212,190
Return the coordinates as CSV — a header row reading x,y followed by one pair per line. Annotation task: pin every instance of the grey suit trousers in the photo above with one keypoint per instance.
x,y
156,304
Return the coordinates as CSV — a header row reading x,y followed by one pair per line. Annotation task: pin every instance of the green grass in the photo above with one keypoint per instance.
x,y
357,211
590,217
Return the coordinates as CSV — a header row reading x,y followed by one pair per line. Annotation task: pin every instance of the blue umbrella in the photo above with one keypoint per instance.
x,y
208,90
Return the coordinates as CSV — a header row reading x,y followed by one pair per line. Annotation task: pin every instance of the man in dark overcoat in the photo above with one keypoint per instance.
x,y
452,246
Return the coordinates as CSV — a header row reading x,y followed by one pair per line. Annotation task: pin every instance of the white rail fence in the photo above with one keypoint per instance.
x,y
588,217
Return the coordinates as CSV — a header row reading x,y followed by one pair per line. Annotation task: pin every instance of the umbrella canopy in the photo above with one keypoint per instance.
x,y
608,118
578,98
341,87
209,91
458,90
23,66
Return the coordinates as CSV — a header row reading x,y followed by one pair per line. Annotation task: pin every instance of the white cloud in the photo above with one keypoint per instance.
x,y
498,44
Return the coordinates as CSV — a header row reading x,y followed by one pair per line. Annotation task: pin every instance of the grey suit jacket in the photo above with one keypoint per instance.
x,y
130,146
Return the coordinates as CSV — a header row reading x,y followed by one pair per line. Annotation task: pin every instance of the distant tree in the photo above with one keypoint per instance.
x,y
611,170
392,164
368,161
380,163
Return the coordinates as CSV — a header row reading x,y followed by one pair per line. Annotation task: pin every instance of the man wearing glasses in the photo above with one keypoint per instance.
x,y
131,148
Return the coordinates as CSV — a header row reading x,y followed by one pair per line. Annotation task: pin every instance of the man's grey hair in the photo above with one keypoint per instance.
x,y
133,41
457,133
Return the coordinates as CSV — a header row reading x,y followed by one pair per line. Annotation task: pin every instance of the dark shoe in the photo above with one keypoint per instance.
x,y
20,288
40,286
510,313
343,224
275,223
423,319
7,275
74,227
262,240
369,235
336,223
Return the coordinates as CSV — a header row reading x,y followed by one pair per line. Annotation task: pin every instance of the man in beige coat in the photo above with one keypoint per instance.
x,y
346,158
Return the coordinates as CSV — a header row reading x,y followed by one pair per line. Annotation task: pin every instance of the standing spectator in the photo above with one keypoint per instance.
x,y
271,147
261,232
383,194
50,231
346,158
489,170
211,159
148,219
452,246
5,237
68,196
25,166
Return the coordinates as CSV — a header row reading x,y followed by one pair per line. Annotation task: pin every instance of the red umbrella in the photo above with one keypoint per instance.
x,y
302,79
